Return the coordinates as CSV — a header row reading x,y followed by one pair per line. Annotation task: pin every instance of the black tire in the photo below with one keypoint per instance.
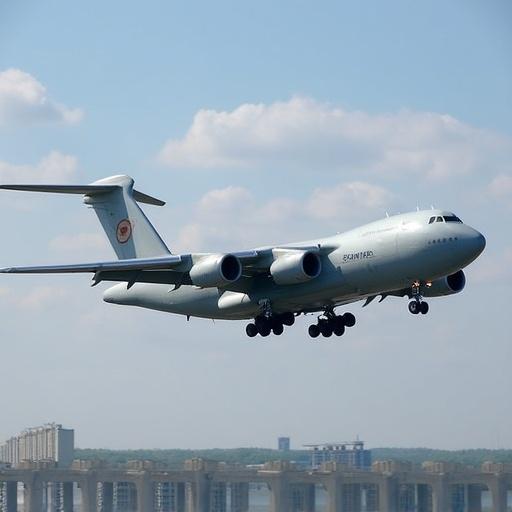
x,y
251,330
349,320
263,325
424,308
261,322
414,307
325,329
278,329
338,326
264,330
314,331
287,319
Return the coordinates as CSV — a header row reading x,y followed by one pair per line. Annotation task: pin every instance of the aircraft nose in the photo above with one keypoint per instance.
x,y
480,242
476,242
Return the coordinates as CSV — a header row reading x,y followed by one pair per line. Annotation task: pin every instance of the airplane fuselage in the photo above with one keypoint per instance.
x,y
379,258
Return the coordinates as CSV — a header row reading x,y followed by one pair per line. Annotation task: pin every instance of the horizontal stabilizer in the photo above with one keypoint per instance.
x,y
89,190
140,197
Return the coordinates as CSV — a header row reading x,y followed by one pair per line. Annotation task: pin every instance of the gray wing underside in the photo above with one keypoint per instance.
x,y
168,269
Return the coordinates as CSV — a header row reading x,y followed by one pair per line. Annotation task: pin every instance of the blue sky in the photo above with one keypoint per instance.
x,y
258,123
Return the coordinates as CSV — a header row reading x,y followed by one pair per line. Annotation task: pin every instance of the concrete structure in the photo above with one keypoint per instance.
x,y
353,454
49,442
283,444
206,486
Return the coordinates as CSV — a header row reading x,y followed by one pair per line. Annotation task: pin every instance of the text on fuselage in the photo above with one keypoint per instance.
x,y
361,255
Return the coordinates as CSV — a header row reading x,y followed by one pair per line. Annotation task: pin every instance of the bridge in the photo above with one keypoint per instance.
x,y
207,486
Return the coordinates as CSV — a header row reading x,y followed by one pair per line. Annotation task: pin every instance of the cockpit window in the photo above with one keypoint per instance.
x,y
432,219
452,218
439,219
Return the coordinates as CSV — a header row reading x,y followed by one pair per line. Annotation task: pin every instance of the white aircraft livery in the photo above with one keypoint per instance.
x,y
415,255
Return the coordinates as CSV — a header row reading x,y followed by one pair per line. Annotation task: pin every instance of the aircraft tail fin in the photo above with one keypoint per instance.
x,y
115,202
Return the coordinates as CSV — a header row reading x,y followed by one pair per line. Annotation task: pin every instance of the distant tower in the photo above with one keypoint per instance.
x,y
283,444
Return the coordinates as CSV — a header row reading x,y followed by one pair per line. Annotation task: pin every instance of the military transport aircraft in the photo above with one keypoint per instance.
x,y
418,254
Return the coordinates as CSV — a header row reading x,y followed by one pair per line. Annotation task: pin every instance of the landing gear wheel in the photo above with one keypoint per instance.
x,y
314,331
287,319
278,329
325,328
264,330
414,307
251,330
424,308
338,326
263,325
349,320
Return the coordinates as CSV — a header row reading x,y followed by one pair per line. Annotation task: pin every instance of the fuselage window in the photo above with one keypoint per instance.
x,y
439,219
432,219
452,218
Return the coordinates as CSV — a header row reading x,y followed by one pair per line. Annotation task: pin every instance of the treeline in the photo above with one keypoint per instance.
x,y
173,457
260,455
418,455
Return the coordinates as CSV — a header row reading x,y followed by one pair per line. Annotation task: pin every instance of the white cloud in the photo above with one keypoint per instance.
x,y
304,133
231,218
344,199
24,100
55,167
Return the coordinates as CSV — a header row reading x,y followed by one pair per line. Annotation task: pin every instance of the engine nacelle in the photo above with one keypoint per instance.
x,y
296,267
216,270
448,285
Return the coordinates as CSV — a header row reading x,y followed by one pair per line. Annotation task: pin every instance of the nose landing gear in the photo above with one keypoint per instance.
x,y
330,324
417,305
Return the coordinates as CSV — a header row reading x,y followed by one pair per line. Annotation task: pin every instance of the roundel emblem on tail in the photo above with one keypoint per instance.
x,y
124,231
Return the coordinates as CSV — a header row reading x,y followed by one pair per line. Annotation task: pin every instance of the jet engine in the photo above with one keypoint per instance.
x,y
216,270
296,267
448,285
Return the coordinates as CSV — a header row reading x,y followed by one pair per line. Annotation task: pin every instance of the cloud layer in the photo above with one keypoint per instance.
x,y
25,101
230,218
55,167
303,133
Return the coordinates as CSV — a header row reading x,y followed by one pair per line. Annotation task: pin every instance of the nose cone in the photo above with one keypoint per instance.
x,y
479,243
474,243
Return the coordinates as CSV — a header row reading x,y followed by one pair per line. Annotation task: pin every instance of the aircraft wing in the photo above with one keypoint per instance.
x,y
157,263
170,268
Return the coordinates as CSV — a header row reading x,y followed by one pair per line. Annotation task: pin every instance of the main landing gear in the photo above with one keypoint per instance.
x,y
417,305
265,324
331,324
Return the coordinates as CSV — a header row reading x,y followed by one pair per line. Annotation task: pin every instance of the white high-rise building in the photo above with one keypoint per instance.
x,y
49,442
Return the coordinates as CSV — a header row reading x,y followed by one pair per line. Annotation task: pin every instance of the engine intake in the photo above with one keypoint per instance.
x,y
217,270
296,267
448,285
